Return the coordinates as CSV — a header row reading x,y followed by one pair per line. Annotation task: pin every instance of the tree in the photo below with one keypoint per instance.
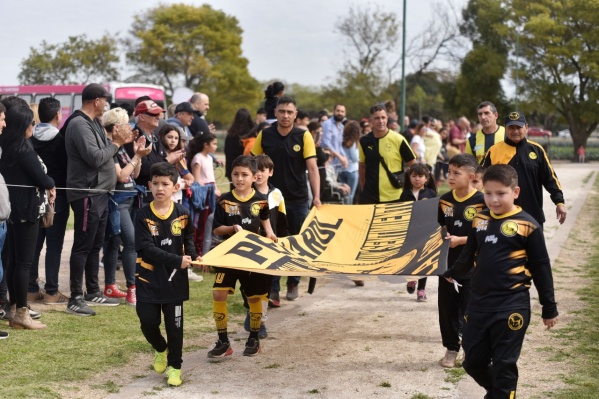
x,y
195,47
77,61
559,48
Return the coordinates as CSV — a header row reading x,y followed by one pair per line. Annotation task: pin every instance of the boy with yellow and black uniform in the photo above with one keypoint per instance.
x,y
243,208
506,249
457,209
530,161
164,245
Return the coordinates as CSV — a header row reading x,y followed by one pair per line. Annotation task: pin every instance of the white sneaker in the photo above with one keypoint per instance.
x,y
194,277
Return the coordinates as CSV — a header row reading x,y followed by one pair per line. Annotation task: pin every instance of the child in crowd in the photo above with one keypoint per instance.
x,y
278,222
457,209
171,140
244,208
418,185
508,247
164,244
477,182
200,149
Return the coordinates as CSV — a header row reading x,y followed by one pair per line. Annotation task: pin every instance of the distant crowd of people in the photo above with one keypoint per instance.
x,y
136,180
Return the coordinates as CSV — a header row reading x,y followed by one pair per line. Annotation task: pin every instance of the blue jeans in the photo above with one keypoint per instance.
x,y
129,257
54,238
2,238
351,179
297,211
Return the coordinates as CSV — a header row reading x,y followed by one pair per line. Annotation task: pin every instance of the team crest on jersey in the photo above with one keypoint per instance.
x,y
296,148
532,155
470,213
176,227
449,212
152,227
509,228
231,209
515,321
255,209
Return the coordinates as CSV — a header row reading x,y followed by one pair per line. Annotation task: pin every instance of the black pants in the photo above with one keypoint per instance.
x,y
20,247
91,215
452,305
492,344
149,318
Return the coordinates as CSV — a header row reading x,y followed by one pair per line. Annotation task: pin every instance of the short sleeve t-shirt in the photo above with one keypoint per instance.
x,y
206,169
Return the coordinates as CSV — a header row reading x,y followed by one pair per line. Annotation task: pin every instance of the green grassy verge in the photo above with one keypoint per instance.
x,y
583,331
42,364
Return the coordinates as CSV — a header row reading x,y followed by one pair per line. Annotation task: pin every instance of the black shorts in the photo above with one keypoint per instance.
x,y
252,283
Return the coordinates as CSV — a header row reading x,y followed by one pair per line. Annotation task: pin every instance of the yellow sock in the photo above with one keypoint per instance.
x,y
256,313
221,316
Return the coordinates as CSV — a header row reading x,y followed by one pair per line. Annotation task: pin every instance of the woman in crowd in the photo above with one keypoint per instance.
x,y
127,169
273,92
349,175
170,137
21,166
417,143
241,126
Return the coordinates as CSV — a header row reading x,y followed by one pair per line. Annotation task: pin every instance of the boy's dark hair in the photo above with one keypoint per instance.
x,y
480,169
263,161
245,161
464,161
312,126
504,174
47,109
160,169
286,100
261,111
301,115
419,169
128,107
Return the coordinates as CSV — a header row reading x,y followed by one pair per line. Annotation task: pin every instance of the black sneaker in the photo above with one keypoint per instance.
x,y
252,347
3,335
78,306
292,292
221,349
99,299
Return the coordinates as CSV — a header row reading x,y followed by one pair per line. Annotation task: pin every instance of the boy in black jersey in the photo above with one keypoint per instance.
x,y
164,245
506,248
243,208
457,209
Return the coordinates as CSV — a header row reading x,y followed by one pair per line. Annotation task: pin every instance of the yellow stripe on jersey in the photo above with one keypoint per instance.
x,y
146,265
502,153
309,146
520,270
548,163
518,254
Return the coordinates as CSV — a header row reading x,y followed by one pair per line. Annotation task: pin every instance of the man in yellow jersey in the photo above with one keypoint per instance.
x,y
478,144
381,149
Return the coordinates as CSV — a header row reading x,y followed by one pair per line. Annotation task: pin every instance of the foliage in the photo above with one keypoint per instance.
x,y
76,61
195,47
559,46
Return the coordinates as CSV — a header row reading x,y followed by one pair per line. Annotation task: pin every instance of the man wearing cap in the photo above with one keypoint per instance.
x,y
91,176
490,134
184,115
533,167
148,116
200,104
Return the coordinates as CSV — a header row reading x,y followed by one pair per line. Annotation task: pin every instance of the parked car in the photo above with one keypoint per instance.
x,y
537,131
564,134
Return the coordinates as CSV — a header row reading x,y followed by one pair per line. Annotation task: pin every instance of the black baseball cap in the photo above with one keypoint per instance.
x,y
93,91
184,107
515,118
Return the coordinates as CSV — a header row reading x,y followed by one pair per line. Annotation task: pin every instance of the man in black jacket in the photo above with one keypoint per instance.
x,y
200,104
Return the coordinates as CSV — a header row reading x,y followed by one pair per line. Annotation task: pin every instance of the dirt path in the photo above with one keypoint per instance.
x,y
375,341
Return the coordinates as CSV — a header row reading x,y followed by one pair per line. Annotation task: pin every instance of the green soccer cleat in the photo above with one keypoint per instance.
x,y
174,377
160,361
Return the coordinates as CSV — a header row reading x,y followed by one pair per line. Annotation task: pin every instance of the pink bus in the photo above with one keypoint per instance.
x,y
70,95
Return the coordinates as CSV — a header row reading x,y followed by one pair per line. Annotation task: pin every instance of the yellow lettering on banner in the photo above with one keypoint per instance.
x,y
387,233
430,254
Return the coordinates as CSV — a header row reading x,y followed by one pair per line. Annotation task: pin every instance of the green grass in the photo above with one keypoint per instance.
x,y
583,331
42,364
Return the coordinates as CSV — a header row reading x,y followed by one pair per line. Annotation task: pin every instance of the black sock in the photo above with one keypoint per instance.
x,y
222,337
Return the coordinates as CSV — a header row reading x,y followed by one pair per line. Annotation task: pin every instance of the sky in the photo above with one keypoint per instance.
x,y
290,40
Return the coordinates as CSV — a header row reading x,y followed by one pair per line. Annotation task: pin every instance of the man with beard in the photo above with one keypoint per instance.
x,y
332,137
293,152
200,104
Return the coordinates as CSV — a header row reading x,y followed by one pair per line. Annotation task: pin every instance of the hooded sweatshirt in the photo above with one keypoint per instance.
x,y
49,145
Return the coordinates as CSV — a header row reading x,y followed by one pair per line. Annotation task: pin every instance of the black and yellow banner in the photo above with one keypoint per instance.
x,y
385,239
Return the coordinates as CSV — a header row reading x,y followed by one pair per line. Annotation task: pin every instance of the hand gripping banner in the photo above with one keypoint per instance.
x,y
386,239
